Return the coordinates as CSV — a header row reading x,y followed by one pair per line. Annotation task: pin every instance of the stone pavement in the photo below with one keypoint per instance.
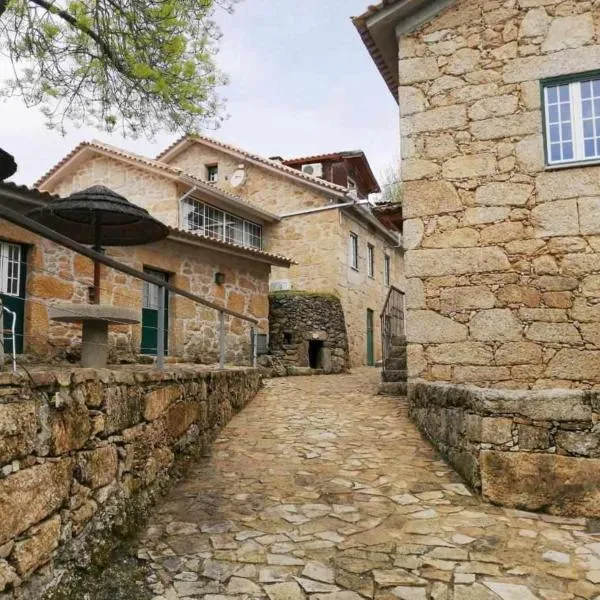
x,y
322,490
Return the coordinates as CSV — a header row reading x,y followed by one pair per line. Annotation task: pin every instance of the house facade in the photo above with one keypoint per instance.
x,y
501,185
36,272
500,142
338,246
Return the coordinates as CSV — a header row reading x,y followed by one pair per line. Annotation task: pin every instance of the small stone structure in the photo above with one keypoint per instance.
x,y
308,330
84,450
533,450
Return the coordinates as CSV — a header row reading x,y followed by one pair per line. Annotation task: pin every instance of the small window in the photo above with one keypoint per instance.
x,y
572,119
371,260
212,173
386,270
354,251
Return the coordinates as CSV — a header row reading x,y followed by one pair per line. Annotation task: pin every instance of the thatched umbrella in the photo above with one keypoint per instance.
x,y
99,217
8,166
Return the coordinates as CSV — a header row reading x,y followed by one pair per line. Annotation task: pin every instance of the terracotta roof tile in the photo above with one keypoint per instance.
x,y
256,158
149,162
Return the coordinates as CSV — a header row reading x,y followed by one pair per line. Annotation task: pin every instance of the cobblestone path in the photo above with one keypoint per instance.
x,y
322,490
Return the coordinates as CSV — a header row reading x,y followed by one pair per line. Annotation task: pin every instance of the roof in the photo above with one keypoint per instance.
x,y
168,170
180,144
24,198
371,186
377,27
389,214
199,239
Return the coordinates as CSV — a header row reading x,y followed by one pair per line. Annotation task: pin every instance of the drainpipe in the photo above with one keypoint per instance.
x,y
309,211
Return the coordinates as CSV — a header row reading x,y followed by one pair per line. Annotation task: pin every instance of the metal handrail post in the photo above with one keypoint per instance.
x,y
160,330
254,346
221,340
13,331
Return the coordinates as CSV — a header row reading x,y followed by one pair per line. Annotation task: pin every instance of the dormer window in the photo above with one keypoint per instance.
x,y
212,173
351,184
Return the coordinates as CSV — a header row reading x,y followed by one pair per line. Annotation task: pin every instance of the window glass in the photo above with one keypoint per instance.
x,y
210,221
371,260
10,268
386,270
572,114
212,173
354,251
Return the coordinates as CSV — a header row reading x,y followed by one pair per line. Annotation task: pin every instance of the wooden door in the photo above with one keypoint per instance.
x,y
149,343
13,274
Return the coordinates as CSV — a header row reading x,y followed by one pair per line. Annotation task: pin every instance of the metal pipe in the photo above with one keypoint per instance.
x,y
221,340
160,330
13,331
309,211
254,346
35,227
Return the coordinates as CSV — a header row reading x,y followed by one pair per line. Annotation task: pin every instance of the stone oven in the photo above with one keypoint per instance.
x,y
308,331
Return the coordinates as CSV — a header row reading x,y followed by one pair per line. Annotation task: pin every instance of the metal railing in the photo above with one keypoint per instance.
x,y
392,321
21,220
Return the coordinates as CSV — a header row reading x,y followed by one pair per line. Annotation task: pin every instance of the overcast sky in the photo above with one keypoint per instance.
x,y
301,83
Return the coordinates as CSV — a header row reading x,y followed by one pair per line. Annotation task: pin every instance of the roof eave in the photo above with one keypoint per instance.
x,y
381,27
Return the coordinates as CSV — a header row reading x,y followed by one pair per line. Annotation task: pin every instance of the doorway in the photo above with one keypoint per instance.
x,y
315,350
13,274
370,335
149,343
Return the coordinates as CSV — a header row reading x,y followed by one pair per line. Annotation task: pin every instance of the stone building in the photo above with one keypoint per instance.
x,y
500,141
36,272
339,246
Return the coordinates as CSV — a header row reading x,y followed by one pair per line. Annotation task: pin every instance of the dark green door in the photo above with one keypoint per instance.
x,y
13,274
370,347
150,315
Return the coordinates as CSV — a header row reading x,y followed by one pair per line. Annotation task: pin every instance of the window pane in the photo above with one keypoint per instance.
x,y
565,112
555,152
588,128
586,89
552,95
568,151
587,109
564,93
553,113
566,131
554,133
590,148
596,87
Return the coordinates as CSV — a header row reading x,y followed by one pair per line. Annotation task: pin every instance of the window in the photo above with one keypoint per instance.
x,y
572,119
10,268
354,251
386,270
210,221
371,260
151,290
212,173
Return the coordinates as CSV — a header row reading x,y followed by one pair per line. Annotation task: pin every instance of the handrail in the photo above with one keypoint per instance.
x,y
393,288
22,221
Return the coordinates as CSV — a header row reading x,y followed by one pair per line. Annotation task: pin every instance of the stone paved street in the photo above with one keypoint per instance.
x,y
320,489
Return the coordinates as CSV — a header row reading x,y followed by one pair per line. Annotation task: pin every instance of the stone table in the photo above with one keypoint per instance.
x,y
94,319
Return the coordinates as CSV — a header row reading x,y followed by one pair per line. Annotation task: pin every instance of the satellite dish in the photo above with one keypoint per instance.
x,y
238,177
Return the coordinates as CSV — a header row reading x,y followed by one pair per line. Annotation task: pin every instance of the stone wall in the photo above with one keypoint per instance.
x,y
318,242
82,451
296,319
501,253
56,274
533,450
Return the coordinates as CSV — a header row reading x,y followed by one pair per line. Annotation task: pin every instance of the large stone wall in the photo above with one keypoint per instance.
x,y
318,242
533,450
83,451
56,274
296,319
502,254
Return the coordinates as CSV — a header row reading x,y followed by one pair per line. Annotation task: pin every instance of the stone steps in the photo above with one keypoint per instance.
x,y
396,375
392,388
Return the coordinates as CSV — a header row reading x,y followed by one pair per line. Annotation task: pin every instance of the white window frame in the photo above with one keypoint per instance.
x,y
353,251
386,270
219,224
151,290
10,257
576,120
371,261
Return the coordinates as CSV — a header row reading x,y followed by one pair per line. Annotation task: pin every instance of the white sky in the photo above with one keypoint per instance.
x,y
301,83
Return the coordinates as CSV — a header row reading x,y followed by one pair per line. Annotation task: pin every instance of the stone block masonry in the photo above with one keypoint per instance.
x,y
85,451
532,450
501,253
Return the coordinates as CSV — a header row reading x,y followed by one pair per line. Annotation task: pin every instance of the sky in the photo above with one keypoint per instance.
x,y
301,83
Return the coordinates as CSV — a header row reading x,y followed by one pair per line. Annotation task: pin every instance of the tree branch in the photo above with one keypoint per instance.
x,y
63,14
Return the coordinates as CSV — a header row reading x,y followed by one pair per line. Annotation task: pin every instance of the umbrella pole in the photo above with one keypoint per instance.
x,y
97,248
